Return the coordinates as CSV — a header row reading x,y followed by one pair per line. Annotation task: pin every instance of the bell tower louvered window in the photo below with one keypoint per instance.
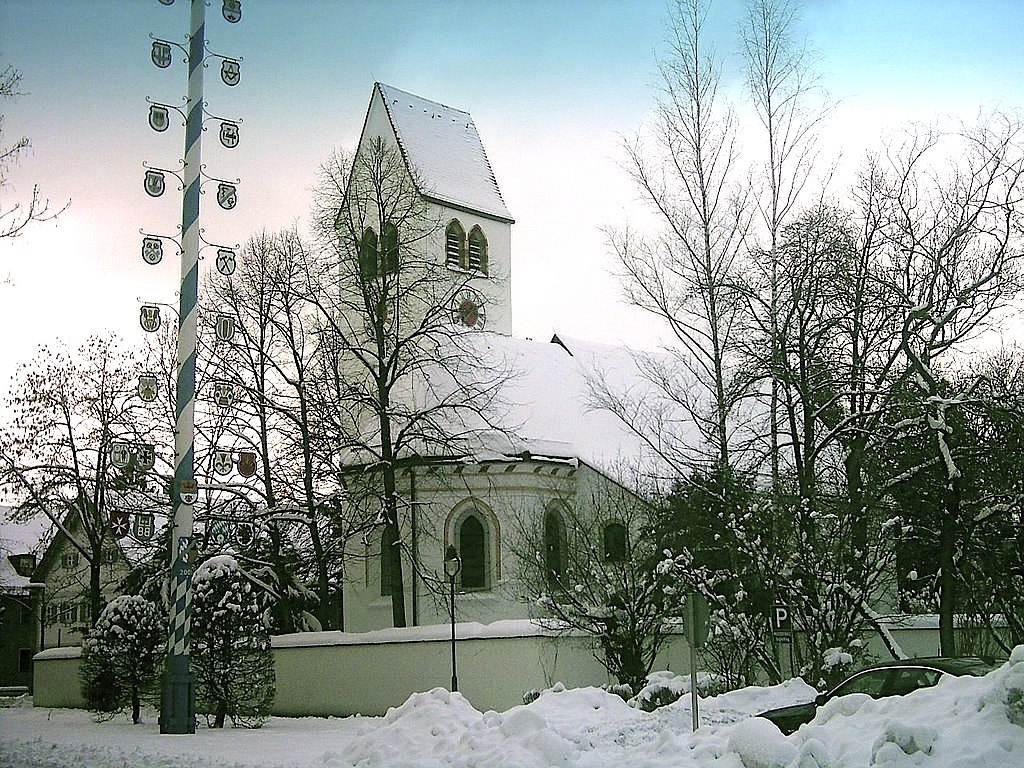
x,y
389,249
477,251
368,255
454,244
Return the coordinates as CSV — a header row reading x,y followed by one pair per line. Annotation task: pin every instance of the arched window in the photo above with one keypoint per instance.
x,y
472,539
477,250
554,548
614,542
389,249
454,244
368,255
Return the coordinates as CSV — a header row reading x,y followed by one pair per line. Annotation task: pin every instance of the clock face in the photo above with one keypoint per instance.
x,y
468,309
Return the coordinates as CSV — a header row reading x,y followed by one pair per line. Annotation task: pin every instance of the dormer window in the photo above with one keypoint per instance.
x,y
477,250
454,245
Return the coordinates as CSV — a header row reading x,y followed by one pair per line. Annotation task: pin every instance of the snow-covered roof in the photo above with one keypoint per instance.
x,y
551,412
442,145
547,406
17,539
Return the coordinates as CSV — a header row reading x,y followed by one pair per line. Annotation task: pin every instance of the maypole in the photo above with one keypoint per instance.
x,y
177,710
177,713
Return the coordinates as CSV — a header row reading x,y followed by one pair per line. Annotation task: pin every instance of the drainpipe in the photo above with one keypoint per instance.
x,y
415,548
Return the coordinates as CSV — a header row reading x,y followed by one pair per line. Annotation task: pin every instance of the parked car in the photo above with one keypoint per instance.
x,y
889,678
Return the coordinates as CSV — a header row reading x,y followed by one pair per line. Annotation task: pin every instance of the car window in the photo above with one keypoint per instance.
x,y
907,680
871,682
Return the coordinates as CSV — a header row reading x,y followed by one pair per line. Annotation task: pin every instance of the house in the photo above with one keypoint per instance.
x,y
65,573
503,489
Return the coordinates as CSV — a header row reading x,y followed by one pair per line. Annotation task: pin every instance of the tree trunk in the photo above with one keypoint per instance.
x,y
947,579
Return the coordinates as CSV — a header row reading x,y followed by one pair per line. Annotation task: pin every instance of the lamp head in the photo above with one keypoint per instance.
x,y
452,562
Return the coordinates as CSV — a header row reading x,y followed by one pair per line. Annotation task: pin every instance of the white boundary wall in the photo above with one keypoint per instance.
x,y
338,673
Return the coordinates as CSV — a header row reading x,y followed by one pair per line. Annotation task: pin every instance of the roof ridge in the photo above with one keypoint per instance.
x,y
383,86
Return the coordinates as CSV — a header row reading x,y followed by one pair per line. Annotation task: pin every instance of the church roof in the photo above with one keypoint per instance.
x,y
442,145
551,404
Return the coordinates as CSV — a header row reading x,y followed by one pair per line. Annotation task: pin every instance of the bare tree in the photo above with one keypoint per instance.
x,y
14,218
687,171
948,206
57,455
271,359
600,576
786,99
409,382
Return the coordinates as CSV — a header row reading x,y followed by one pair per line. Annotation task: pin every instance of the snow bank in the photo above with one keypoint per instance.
x,y
960,722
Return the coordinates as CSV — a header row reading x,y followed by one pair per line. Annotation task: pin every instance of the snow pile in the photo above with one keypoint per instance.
x,y
960,722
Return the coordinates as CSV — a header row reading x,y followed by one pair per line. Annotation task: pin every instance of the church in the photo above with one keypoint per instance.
x,y
527,484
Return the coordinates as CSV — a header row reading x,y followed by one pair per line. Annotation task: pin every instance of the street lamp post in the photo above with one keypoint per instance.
x,y
452,566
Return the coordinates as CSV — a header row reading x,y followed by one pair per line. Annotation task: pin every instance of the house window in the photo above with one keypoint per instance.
x,y
614,542
454,244
477,250
368,255
25,660
389,249
69,559
472,540
554,548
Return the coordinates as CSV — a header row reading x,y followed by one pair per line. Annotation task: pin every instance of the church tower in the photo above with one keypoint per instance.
x,y
443,151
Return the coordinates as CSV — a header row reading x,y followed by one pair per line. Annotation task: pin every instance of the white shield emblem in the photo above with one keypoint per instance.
x,y
225,327
154,183
161,53
158,120
232,10
245,534
222,463
227,196
119,523
226,261
223,393
145,456
188,492
229,134
143,526
152,250
149,317
230,72
246,463
120,455
147,387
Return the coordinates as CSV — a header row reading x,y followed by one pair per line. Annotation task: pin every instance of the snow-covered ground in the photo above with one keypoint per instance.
x,y
960,722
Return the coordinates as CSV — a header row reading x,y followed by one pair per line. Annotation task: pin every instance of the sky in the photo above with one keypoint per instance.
x,y
961,721
554,87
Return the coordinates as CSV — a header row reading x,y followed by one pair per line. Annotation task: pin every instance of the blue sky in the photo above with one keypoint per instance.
x,y
552,86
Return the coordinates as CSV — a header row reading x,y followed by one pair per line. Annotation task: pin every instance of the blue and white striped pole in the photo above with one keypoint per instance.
x,y
177,711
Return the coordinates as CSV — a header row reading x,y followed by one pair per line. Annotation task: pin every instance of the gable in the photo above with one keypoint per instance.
x,y
442,146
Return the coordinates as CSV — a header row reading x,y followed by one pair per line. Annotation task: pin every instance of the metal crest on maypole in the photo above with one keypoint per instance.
x,y
177,710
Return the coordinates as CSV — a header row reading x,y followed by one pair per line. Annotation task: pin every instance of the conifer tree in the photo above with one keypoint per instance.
x,y
231,656
121,656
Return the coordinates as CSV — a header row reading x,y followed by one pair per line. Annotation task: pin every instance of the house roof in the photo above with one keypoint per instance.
x,y
442,145
17,539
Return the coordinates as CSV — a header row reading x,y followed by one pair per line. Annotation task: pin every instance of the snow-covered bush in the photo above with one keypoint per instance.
x,y
231,655
664,688
121,656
